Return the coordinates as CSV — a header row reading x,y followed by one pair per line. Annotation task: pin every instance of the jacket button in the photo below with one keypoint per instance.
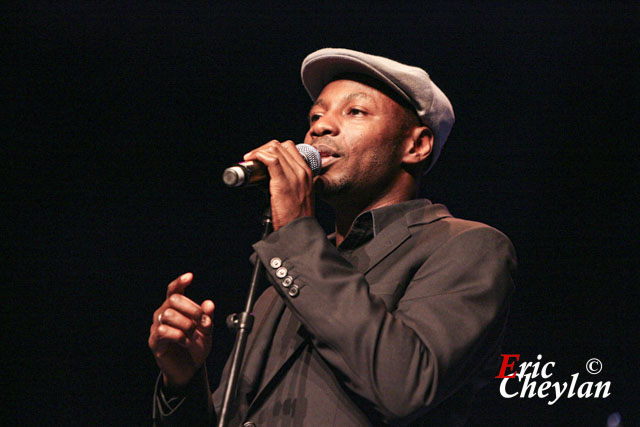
x,y
249,424
275,262
281,272
294,290
287,281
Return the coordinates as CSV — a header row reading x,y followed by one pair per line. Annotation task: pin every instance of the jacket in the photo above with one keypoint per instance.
x,y
399,325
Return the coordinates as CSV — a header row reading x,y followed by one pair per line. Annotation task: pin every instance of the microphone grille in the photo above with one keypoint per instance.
x,y
311,156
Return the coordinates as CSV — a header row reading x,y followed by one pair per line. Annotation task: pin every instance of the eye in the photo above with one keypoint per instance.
x,y
314,117
356,112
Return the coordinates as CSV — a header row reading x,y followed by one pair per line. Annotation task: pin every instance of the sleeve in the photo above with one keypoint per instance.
x,y
192,407
450,316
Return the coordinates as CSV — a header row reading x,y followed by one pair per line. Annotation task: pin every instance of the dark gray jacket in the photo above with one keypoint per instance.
x,y
401,324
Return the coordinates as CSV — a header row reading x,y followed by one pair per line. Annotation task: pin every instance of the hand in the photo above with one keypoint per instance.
x,y
180,336
291,181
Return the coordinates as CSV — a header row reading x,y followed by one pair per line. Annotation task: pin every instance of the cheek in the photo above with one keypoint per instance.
x,y
363,166
375,149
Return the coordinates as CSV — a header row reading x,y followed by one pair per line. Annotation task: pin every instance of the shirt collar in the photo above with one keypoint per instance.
x,y
369,223
361,231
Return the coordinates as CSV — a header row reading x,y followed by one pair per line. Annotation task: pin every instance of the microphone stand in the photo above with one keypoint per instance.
x,y
242,323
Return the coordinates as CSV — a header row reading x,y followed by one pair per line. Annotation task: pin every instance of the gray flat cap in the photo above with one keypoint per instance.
x,y
411,83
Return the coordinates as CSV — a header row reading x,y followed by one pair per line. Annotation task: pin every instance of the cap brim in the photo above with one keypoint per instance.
x,y
317,72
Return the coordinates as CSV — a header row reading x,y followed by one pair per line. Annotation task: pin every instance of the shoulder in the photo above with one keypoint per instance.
x,y
456,228
434,223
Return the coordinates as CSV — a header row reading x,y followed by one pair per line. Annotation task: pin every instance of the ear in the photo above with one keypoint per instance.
x,y
418,145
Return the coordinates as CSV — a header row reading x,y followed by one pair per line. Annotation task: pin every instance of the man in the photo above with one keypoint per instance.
x,y
394,319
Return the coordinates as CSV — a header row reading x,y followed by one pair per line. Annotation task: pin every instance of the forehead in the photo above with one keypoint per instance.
x,y
348,89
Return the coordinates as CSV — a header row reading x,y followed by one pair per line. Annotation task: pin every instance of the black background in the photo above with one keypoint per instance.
x,y
120,118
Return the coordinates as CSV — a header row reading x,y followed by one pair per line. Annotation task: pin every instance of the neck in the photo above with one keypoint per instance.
x,y
348,211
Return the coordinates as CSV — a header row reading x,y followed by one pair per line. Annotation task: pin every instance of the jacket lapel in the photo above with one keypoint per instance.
x,y
385,242
397,232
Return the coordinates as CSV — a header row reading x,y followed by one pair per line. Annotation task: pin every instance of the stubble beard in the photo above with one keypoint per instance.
x,y
346,189
349,189
332,190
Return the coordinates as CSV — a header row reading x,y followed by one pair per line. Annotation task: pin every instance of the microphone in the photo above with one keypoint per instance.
x,y
249,173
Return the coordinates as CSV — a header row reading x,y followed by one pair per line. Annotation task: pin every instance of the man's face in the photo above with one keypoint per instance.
x,y
357,130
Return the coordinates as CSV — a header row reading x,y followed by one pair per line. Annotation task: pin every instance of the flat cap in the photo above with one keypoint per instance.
x,y
411,83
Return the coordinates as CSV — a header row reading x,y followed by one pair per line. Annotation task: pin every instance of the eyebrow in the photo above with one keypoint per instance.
x,y
353,95
320,102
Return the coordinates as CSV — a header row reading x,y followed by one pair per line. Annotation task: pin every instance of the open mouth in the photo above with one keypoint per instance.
x,y
327,154
328,157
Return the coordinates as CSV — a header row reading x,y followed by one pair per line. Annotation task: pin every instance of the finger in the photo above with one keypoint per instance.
x,y
251,155
282,160
178,285
208,307
286,147
206,321
276,164
167,335
184,306
177,320
298,167
164,335
293,165
291,148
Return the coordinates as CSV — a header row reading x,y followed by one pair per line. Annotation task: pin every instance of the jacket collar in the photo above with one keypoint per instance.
x,y
391,226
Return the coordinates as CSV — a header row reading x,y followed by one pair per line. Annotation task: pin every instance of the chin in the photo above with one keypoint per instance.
x,y
330,189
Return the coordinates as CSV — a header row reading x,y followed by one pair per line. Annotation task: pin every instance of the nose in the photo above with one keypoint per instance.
x,y
324,125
